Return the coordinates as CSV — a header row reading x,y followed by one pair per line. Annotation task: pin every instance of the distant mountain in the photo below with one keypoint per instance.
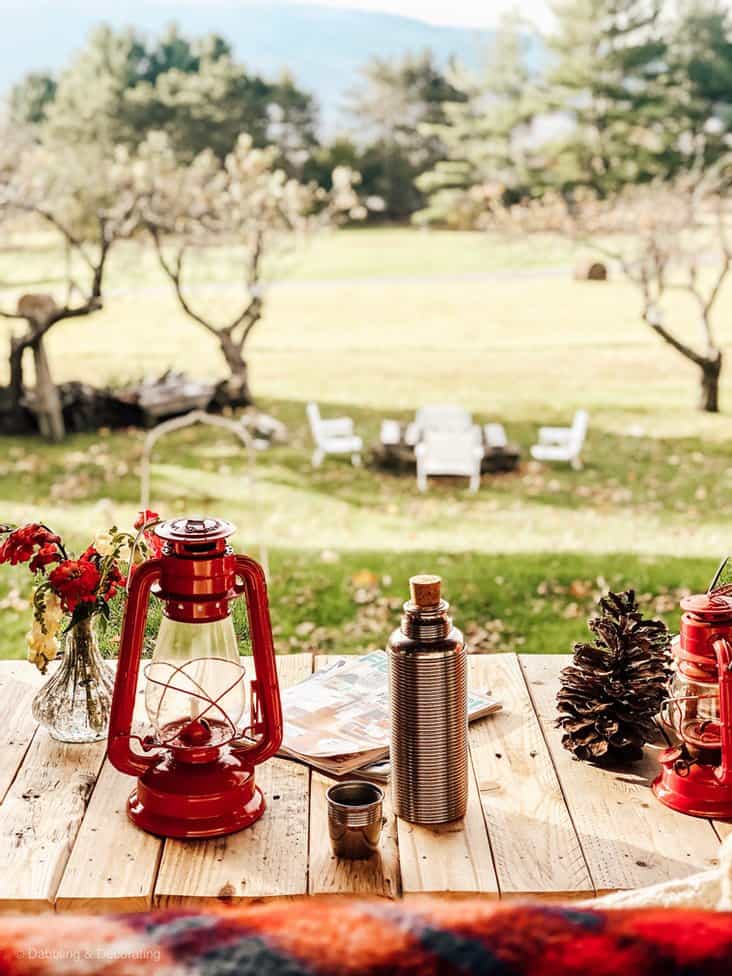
x,y
322,47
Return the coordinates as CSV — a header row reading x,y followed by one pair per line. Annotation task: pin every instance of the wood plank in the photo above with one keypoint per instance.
x,y
19,682
379,875
535,847
453,858
113,864
41,814
629,839
268,859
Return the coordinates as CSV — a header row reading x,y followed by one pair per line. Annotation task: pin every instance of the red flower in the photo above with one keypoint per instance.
x,y
75,581
113,581
113,577
46,555
154,543
21,544
147,515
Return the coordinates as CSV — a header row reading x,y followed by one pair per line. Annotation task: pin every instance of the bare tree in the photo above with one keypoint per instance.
x,y
87,202
666,238
245,203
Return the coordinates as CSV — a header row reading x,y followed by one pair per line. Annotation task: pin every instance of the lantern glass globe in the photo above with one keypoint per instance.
x,y
194,665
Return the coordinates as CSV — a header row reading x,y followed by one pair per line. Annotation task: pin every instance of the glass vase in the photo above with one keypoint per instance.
x,y
74,703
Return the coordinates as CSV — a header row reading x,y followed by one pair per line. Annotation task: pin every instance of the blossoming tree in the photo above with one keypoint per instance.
x,y
85,198
245,203
666,238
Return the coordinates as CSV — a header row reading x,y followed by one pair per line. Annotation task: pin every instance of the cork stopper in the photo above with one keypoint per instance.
x,y
425,590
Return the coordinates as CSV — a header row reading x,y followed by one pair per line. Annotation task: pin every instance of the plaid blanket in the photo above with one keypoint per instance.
x,y
317,937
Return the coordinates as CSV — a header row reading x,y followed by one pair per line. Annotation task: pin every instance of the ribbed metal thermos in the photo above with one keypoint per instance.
x,y
428,691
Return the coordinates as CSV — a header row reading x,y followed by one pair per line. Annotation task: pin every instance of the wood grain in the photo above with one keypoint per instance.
x,y
19,682
453,858
113,864
379,875
41,814
535,847
722,829
629,839
266,860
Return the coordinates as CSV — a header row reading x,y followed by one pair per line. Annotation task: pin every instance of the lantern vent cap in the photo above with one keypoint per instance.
x,y
194,529
711,606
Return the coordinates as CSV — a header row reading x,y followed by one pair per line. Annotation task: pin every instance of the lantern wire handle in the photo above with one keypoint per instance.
x,y
145,527
718,575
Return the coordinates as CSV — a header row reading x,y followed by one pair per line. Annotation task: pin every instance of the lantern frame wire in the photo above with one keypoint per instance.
x,y
664,711
167,685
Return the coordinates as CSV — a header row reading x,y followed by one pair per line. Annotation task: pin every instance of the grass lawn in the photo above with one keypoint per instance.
x,y
375,323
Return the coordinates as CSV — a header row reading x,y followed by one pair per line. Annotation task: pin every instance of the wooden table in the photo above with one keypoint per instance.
x,y
537,824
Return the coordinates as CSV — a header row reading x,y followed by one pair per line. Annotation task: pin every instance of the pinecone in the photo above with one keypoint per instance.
x,y
612,691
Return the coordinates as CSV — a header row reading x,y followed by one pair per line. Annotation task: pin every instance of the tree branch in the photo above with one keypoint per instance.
x,y
252,312
717,287
175,274
658,327
255,317
71,238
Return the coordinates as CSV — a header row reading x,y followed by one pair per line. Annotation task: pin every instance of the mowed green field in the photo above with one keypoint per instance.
x,y
374,323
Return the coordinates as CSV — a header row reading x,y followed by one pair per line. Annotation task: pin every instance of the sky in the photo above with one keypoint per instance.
x,y
463,13
459,13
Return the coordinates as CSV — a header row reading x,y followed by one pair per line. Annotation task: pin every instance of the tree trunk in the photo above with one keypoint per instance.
x,y
237,385
48,402
710,373
17,387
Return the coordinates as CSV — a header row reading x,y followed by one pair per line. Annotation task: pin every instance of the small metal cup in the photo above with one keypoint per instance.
x,y
355,819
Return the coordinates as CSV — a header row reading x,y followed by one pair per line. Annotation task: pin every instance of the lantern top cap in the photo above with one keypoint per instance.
x,y
711,605
194,529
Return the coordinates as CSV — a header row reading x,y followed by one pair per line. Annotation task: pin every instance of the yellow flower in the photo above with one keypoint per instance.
x,y
42,648
104,543
52,613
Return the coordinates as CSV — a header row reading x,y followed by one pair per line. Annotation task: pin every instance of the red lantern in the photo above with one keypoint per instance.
x,y
696,776
196,781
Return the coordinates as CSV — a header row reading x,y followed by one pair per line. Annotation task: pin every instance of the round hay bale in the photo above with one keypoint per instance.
x,y
590,270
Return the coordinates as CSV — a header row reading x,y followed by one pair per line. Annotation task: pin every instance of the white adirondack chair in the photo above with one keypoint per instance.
x,y
495,436
390,433
335,436
439,418
563,443
448,454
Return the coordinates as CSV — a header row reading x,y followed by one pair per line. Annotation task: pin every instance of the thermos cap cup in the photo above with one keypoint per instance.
x,y
355,817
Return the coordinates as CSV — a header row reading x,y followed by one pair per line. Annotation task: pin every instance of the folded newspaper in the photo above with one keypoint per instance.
x,y
337,720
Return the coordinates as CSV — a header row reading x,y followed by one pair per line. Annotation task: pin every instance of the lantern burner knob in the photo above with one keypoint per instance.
x,y
196,733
